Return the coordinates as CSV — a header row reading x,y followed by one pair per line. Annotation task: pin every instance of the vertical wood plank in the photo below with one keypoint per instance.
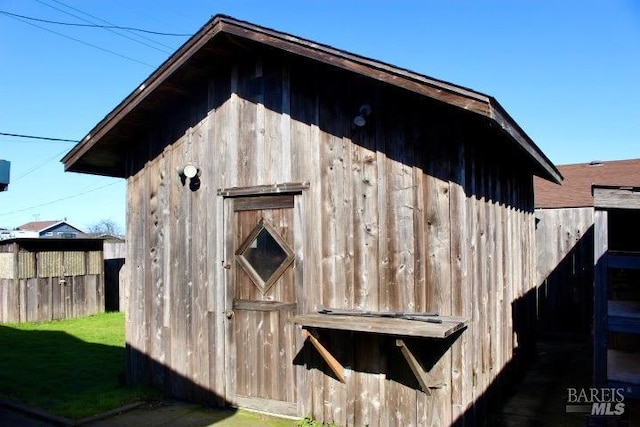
x,y
305,155
230,360
437,241
600,341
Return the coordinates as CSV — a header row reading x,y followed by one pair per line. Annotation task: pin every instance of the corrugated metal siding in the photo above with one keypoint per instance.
x,y
74,263
50,264
26,265
6,266
95,264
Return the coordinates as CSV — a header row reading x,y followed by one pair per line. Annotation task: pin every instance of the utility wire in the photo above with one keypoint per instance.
x,y
107,29
58,200
45,138
171,49
82,41
38,166
74,24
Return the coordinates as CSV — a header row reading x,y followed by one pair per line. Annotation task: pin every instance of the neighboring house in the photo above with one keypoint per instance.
x,y
270,176
55,228
588,238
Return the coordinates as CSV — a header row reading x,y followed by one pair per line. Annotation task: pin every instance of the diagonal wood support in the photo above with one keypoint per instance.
x,y
416,367
333,363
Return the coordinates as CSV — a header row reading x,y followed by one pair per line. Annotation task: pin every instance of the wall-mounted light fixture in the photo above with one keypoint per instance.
x,y
191,172
363,112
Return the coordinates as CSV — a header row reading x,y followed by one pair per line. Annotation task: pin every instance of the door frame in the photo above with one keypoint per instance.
x,y
298,190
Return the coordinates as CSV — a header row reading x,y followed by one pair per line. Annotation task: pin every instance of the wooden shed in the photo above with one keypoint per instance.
x,y
588,241
50,279
295,212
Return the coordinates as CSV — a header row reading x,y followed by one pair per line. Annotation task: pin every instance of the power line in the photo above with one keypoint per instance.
x,y
171,49
45,138
58,200
81,41
117,27
38,166
107,29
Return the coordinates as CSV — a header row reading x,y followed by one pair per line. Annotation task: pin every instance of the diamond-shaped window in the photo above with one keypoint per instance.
x,y
264,256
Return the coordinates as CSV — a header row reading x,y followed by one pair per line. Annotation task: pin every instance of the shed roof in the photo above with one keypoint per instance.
x,y
101,151
579,178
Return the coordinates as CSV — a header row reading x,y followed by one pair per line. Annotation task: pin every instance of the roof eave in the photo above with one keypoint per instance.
x,y
172,63
508,125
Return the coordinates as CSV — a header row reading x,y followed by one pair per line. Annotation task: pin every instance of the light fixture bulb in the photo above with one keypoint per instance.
x,y
190,171
363,112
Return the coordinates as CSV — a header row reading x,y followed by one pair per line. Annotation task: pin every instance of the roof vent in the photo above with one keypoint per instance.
x,y
595,162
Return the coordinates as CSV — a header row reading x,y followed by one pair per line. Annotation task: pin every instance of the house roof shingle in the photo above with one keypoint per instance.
x,y
39,225
579,178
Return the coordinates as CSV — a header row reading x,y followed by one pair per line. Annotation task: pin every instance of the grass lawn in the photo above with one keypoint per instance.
x,y
68,368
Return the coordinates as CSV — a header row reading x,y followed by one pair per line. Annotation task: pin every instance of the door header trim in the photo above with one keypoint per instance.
x,y
287,187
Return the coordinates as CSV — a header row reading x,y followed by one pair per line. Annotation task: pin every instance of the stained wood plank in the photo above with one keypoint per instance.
x,y
263,305
264,202
437,229
600,296
229,355
201,266
132,296
616,198
384,325
462,351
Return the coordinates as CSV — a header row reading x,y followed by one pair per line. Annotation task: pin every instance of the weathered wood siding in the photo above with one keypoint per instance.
x,y
414,211
564,242
39,285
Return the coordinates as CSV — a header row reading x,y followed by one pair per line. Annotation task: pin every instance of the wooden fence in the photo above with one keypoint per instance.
x,y
564,239
49,279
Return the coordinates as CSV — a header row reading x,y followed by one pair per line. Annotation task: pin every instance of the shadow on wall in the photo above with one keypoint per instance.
x,y
486,409
565,297
378,354
144,370
112,268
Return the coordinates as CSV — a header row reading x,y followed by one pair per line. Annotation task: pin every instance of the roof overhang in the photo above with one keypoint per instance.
x,y
98,152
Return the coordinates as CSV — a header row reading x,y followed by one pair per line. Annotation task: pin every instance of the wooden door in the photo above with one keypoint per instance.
x,y
261,297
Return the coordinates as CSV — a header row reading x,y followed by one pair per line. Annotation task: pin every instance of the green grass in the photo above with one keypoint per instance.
x,y
69,368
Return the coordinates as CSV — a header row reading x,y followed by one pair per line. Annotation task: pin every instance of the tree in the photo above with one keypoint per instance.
x,y
105,226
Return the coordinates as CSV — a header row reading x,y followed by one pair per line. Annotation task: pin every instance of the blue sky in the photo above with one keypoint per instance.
x,y
567,71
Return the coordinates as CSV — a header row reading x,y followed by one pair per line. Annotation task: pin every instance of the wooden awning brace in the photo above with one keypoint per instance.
x,y
424,325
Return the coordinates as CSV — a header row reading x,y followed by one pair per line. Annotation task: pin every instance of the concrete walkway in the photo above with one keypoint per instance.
x,y
541,398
